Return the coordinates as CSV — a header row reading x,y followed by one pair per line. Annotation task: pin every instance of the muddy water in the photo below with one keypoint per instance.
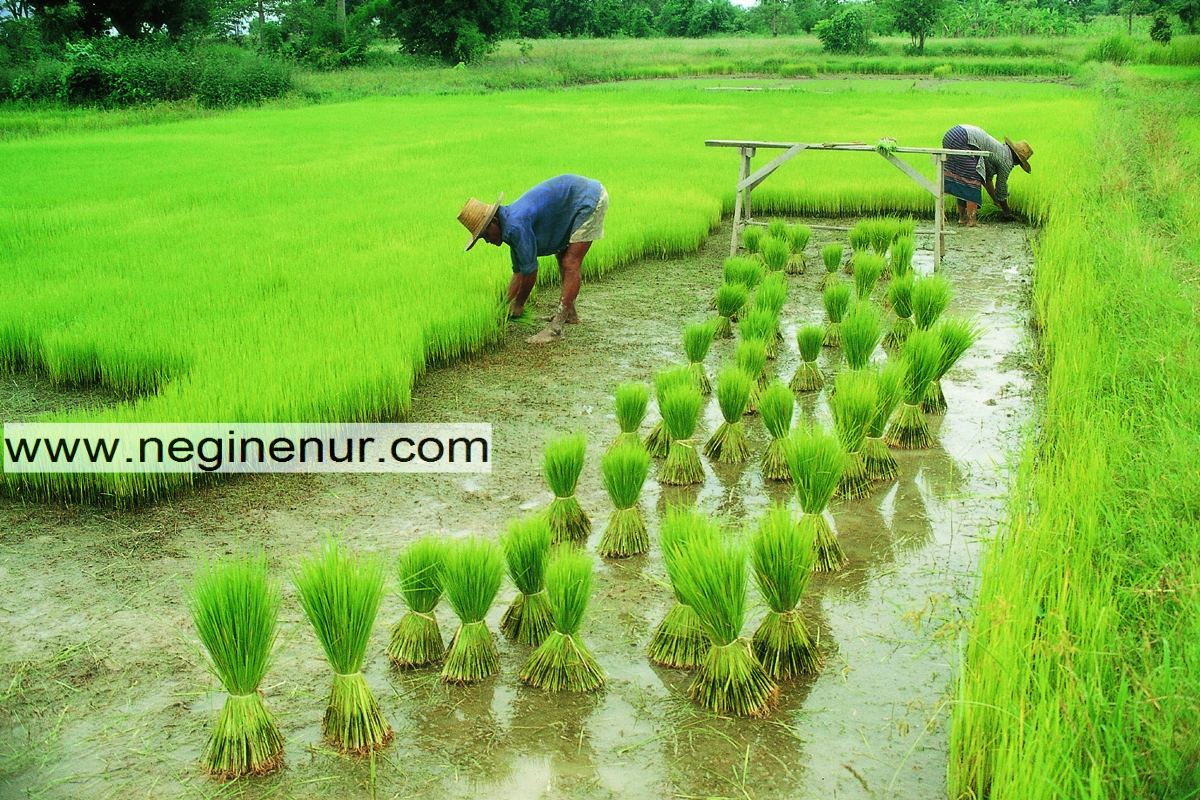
x,y
108,697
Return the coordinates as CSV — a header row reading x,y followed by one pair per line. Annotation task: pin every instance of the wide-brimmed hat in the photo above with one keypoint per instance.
x,y
1022,150
475,216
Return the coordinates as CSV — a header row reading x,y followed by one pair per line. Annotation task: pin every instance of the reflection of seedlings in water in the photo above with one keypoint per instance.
x,y
943,476
556,725
911,528
677,497
866,540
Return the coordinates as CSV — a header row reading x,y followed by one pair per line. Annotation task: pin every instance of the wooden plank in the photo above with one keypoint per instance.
x,y
758,177
939,215
839,146
911,172
744,166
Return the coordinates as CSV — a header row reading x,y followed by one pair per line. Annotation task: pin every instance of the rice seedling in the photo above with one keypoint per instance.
x,y
340,595
809,339
906,228
681,411
831,255
772,293
816,461
697,339
777,405
837,298
922,357
562,463
889,384
416,639
526,548
473,570
746,271
931,296
798,238
861,333
775,254
860,237
853,405
562,662
728,443
900,296
759,324
867,269
778,229
729,301
680,641
711,578
883,231
957,335
751,358
624,470
752,237
658,441
782,554
900,262
235,608
630,401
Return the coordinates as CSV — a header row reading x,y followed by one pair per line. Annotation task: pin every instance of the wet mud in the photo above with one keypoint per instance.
x,y
104,693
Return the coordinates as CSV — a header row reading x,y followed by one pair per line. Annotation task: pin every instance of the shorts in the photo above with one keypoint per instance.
x,y
593,227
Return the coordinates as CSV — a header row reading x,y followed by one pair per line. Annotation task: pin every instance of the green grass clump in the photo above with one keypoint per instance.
x,y
868,267
817,462
809,339
883,231
861,332
777,405
782,554
416,639
630,401
624,470
658,441
473,571
860,236
235,608
562,463
680,641
778,229
889,384
759,324
853,406
922,357
931,296
562,662
837,299
831,255
772,293
900,263
728,443
526,548
900,296
697,339
957,335
681,409
798,238
746,271
751,358
775,254
340,595
752,238
729,301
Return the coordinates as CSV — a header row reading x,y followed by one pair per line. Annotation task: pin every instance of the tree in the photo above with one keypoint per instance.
x,y
771,8
847,30
452,30
1160,29
1189,13
571,17
917,18
135,18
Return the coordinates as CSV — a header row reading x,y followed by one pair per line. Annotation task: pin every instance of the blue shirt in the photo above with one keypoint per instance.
x,y
541,221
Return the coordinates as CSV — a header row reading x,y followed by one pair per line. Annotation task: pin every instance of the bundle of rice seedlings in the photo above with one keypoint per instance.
x,y
752,237
658,441
751,358
922,357
777,405
624,470
772,293
746,271
860,236
889,384
906,228
853,406
472,574
837,299
867,269
900,263
816,461
712,573
562,662
956,335
679,641
931,296
798,237
759,324
697,339
416,640
861,332
883,231
562,462
808,378
340,595
630,400
681,411
728,444
729,301
778,229
832,255
782,554
235,608
775,254
900,296
526,548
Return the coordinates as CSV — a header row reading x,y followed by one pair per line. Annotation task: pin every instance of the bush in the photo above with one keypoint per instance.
x,y
1160,30
944,71
847,31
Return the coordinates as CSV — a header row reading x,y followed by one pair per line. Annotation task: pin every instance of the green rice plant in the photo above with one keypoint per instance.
x,y
340,595
868,267
817,461
416,639
526,548
861,333
473,570
906,228
697,339
778,229
900,262
860,236
711,578
728,444
837,299
809,339
798,238
759,324
235,608
752,238
772,293
658,441
853,405
751,358
562,463
562,662
777,405
900,296
630,401
931,296
922,357
957,335
681,409
889,384
680,641
729,301
624,470
782,554
746,271
831,255
775,254
883,232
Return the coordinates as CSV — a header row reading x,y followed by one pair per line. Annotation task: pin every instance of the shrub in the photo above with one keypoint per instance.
x,y
1160,29
944,71
846,31
1117,48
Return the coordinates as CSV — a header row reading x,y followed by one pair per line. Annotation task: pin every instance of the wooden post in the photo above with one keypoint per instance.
x,y
939,221
746,153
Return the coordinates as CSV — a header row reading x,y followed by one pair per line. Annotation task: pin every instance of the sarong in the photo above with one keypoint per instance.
x,y
960,175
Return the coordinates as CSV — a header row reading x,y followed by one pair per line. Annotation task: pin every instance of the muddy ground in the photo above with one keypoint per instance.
x,y
105,693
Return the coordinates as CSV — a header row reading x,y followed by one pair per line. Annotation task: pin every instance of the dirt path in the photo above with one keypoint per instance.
x,y
105,693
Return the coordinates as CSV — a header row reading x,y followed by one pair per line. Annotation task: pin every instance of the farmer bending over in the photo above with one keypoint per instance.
x,y
964,175
563,216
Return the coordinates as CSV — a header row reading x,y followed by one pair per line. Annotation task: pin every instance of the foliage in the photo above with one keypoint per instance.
x,y
451,30
1160,31
847,30
917,18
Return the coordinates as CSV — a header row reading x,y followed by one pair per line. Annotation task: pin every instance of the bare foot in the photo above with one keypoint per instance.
x,y
515,312
550,334
572,317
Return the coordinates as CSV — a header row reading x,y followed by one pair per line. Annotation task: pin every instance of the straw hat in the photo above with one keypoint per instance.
x,y
1022,150
475,216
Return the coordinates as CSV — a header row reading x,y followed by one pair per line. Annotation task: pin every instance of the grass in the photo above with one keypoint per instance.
x,y
562,463
658,441
729,301
746,271
957,335
526,548
416,639
861,332
900,297
751,358
877,456
931,296
474,569
837,298
728,444
759,324
868,267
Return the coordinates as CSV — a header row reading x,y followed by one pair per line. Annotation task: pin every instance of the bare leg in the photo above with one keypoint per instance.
x,y
518,292
572,315
972,216
571,262
962,212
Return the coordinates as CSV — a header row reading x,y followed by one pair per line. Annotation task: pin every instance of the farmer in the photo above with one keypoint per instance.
x,y
563,216
965,174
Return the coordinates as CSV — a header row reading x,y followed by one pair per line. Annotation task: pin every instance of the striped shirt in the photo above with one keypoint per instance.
x,y
1000,163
